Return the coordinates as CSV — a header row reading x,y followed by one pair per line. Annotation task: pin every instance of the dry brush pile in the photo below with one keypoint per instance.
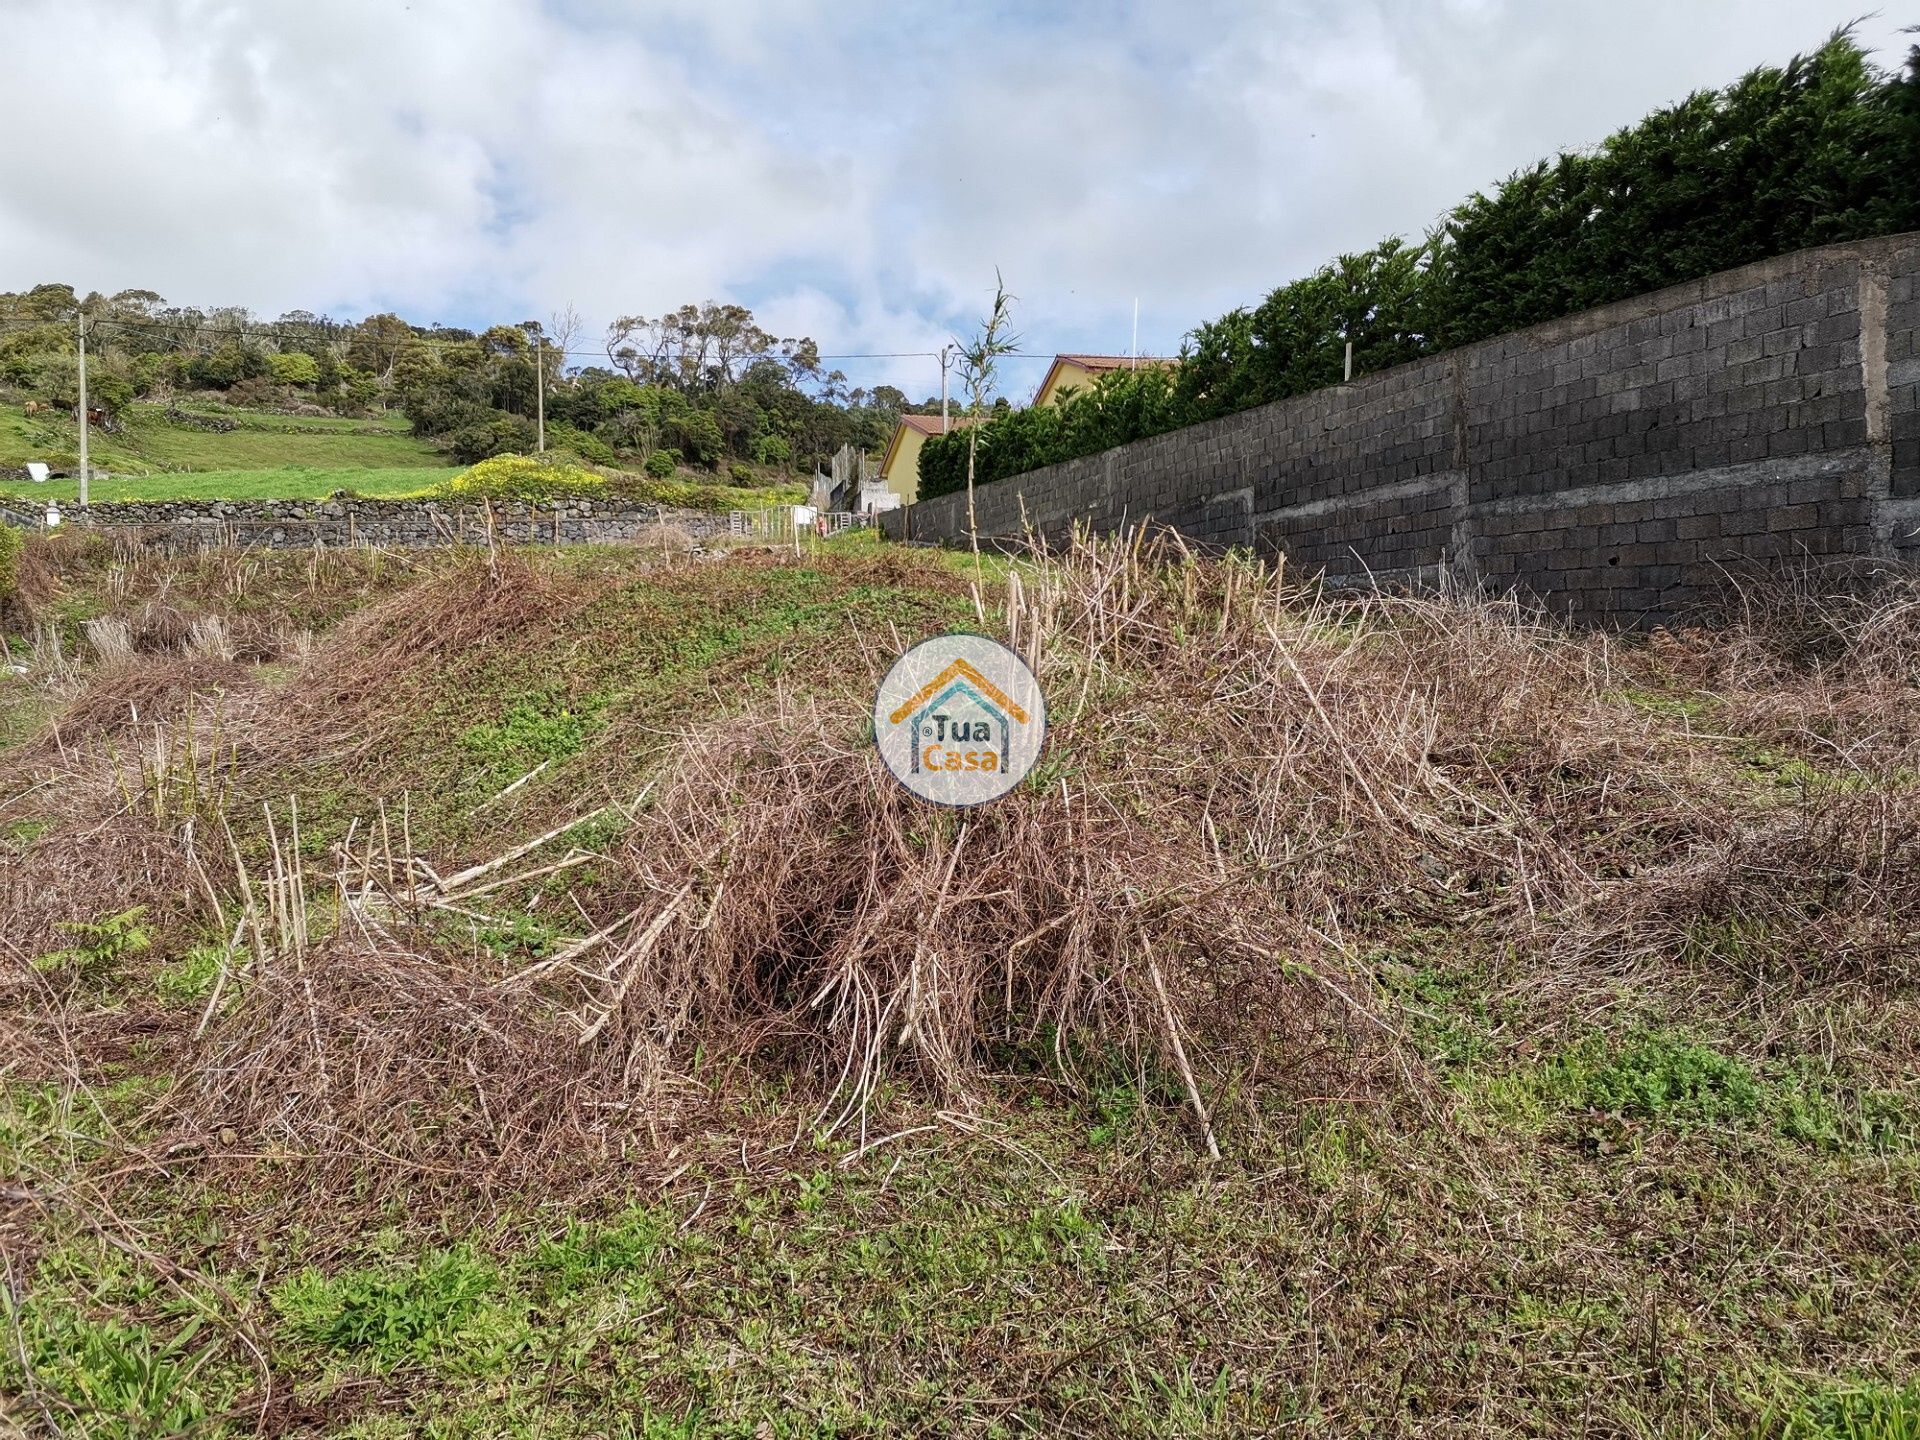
x,y
1248,789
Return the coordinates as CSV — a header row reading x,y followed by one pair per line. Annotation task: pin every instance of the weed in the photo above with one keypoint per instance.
x,y
1118,1106
441,1310
587,1255
1807,1106
1786,775
190,979
530,734
100,946
19,834
119,1378
521,938
1669,1078
1692,708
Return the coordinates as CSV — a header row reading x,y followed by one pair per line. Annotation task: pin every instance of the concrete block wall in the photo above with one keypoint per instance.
x,y
398,524
1611,463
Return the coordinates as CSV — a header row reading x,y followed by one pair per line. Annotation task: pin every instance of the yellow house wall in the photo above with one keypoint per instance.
x,y
1061,379
902,470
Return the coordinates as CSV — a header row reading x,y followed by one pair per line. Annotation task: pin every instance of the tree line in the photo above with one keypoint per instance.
x,y
703,386
1825,148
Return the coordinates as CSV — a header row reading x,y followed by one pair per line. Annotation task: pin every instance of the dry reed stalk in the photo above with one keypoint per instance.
x,y
1250,785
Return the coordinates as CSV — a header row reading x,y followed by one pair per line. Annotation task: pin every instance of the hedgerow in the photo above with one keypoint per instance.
x,y
1823,149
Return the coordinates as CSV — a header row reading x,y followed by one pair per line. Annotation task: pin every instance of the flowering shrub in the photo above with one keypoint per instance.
x,y
521,477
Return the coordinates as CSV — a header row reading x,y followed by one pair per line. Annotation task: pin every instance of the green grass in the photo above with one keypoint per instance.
x,y
148,444
439,1309
1864,1411
1043,1284
293,482
268,457
273,457
388,422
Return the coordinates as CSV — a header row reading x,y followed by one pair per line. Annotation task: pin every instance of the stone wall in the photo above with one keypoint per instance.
x,y
401,524
1612,463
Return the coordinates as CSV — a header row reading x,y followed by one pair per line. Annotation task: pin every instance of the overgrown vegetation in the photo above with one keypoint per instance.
x,y
1819,150
550,1020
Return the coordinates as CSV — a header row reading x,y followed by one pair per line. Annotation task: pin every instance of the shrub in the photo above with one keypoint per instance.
x,y
293,369
256,393
662,463
482,440
10,547
190,979
583,443
742,475
111,393
227,366
521,477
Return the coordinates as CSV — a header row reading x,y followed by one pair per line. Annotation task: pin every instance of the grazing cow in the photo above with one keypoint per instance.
x,y
34,407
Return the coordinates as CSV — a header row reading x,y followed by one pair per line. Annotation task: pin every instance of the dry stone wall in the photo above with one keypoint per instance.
x,y
400,524
1614,463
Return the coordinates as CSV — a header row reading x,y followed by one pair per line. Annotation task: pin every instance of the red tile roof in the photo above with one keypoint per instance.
x,y
1099,363
930,424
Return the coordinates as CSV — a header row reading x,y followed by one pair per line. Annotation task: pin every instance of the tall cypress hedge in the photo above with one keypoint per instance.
x,y
1822,149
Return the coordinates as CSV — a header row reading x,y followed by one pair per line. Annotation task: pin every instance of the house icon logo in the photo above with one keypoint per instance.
x,y
959,720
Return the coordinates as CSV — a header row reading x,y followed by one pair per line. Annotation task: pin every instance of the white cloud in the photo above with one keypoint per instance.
x,y
856,170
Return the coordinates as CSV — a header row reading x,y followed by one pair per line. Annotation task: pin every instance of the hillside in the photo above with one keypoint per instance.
x,y
515,1003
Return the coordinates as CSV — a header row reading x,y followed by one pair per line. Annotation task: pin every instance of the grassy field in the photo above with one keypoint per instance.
x,y
287,482
278,457
469,996
265,457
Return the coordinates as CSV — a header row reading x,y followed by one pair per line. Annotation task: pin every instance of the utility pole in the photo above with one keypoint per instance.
x,y
1349,374
946,359
80,329
540,389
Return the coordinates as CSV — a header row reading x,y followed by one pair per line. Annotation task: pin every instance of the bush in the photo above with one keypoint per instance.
x,y
258,393
10,546
521,477
293,369
742,475
696,434
687,495
483,440
582,442
662,463
227,366
110,393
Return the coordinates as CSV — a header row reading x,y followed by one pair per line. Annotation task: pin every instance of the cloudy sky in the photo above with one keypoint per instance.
x,y
854,170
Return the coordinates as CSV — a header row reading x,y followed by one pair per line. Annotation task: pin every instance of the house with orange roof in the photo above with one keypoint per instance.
x,y
900,465
1074,372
